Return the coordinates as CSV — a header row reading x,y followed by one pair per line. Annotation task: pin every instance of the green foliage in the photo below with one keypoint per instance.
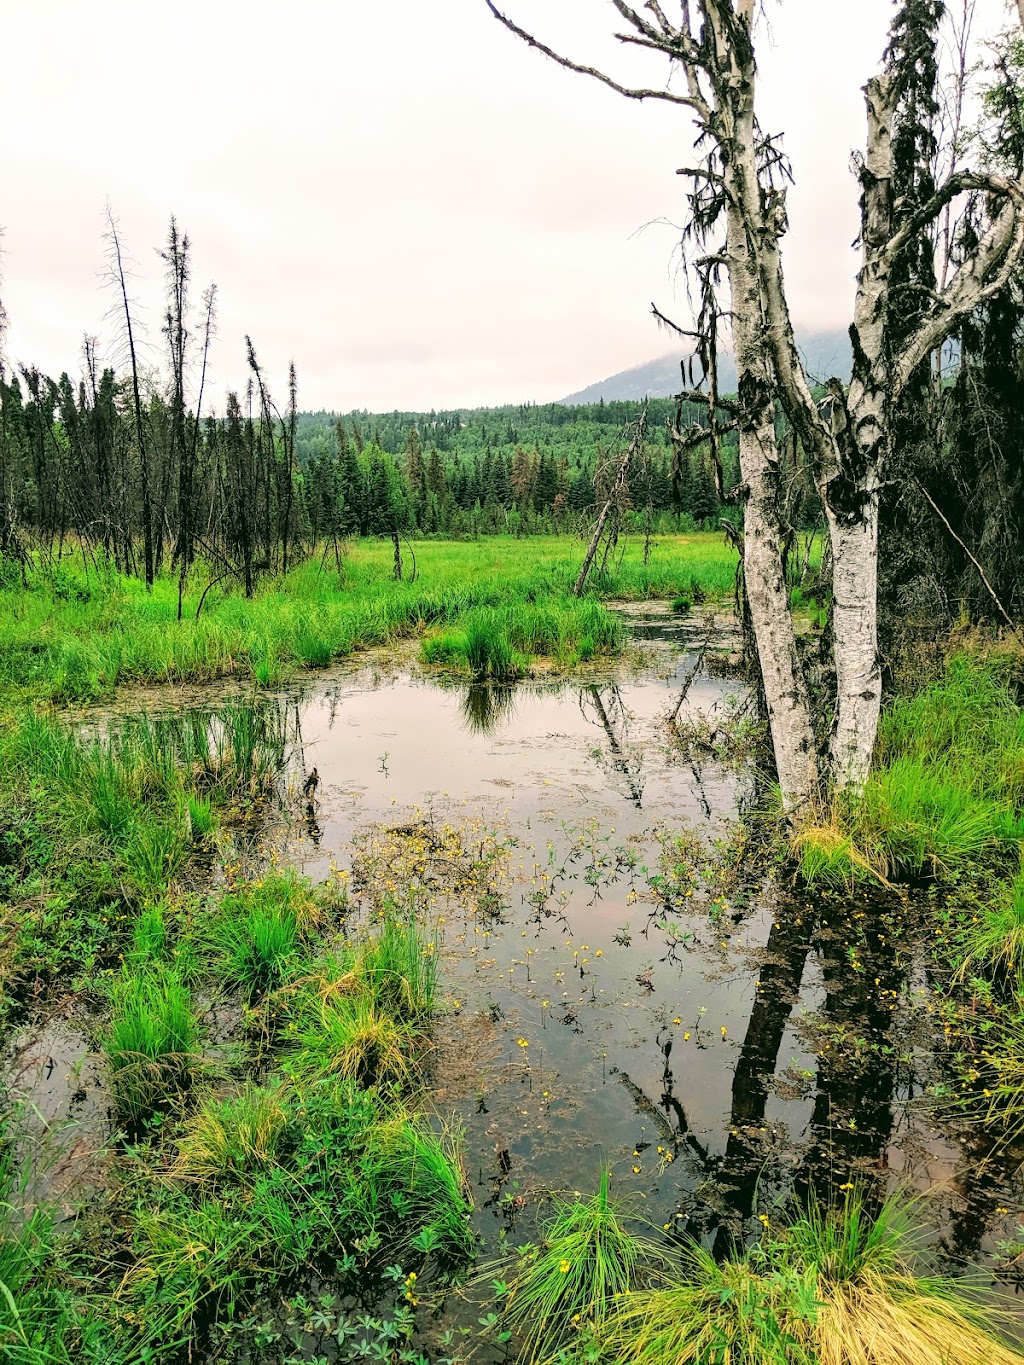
x,y
318,1170
260,932
65,649
334,1032
489,653
946,787
399,966
150,940
575,1278
42,1322
239,1136
834,1287
98,826
151,1043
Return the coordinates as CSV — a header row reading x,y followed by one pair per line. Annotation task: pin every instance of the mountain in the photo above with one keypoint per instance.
x,y
824,354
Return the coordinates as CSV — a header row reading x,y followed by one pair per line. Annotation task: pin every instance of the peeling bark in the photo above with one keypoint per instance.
x,y
785,689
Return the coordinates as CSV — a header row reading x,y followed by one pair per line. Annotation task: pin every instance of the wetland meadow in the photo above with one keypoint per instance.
x,y
418,970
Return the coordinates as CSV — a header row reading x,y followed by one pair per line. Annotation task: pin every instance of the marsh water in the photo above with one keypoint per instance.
x,y
715,1051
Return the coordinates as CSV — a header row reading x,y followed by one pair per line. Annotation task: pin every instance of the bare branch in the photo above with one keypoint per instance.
x,y
640,24
656,10
704,399
638,93
703,173
960,182
697,436
983,275
981,572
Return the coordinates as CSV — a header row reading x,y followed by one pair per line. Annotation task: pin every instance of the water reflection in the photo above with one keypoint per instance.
x,y
611,713
485,706
799,1077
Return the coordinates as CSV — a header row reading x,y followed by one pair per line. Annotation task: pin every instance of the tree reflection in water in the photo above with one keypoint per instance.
x,y
865,1075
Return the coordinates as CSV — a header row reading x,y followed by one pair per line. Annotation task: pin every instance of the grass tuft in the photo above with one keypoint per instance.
x,y
151,1043
575,1278
236,1136
835,1287
945,789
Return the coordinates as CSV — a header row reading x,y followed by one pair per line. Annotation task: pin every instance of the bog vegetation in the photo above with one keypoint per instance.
x,y
270,1183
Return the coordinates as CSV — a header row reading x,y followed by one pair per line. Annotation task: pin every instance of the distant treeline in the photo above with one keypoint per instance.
x,y
520,469
257,487
131,465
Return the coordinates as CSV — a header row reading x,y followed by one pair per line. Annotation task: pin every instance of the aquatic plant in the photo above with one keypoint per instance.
x,y
489,652
399,966
150,939
236,1136
830,1287
257,944
259,933
348,1036
328,1182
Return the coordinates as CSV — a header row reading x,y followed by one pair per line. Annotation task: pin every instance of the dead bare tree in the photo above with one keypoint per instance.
x,y
614,498
116,270
9,544
738,218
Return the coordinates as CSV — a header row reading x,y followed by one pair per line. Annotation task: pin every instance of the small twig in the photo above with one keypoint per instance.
x,y
981,572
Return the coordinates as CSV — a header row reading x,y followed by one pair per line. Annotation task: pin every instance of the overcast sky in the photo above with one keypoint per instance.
x,y
395,193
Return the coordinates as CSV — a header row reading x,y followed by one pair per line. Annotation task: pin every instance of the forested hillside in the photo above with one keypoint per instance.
x,y
824,354
515,468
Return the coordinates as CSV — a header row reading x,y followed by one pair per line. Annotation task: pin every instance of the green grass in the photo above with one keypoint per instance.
x,y
358,1014
110,632
317,1170
261,933
43,1321
399,966
233,1138
831,1287
995,936
267,1190
946,788
573,1280
151,1044
309,1170
150,939
94,827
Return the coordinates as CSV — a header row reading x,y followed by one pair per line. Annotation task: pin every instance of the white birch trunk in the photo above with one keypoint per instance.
x,y
847,448
785,689
855,624
850,477
789,712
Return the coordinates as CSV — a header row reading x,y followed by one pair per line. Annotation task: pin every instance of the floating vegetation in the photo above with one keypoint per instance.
x,y
439,863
